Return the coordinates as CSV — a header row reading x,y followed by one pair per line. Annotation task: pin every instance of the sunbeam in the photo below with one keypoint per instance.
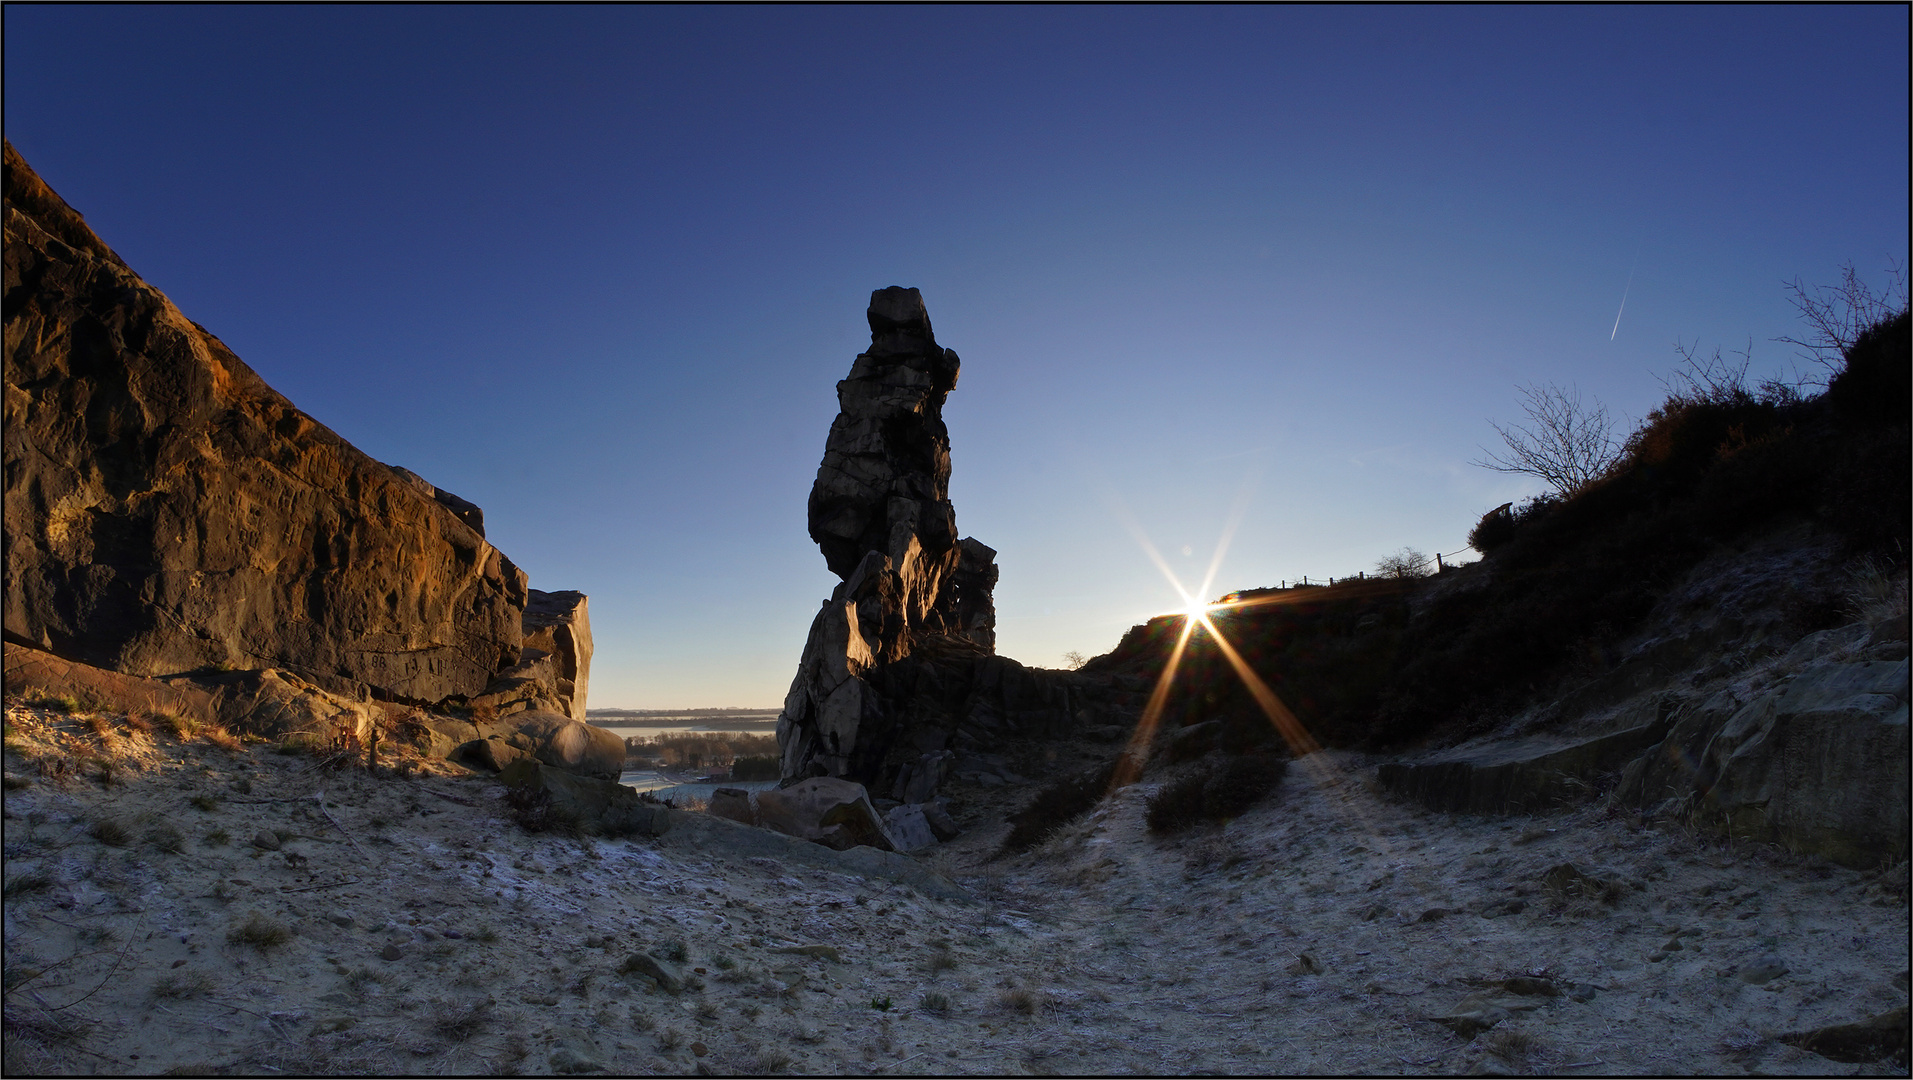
x,y
1196,613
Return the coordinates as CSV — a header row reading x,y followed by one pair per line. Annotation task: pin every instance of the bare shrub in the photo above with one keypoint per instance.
x,y
532,808
1568,444
1054,806
1838,315
1406,563
1221,791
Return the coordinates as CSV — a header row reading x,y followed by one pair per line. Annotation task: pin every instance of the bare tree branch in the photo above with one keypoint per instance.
x,y
1836,315
1568,445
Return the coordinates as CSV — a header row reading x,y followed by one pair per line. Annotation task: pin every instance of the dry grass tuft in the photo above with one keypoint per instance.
x,y
770,1061
181,727
459,1023
1022,1000
111,832
164,836
260,932
1511,1045
222,738
183,985
21,884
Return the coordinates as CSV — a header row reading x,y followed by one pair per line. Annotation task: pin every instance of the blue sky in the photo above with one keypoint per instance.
x,y
599,269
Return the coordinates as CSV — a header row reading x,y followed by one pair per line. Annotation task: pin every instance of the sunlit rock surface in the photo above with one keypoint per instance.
x,y
169,512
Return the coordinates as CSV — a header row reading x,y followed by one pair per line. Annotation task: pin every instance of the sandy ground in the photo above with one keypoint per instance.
x,y
202,909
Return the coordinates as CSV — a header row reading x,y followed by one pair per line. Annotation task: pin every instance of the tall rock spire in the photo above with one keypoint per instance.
x,y
880,512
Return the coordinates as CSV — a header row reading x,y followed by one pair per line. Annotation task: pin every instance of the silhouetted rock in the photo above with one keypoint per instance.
x,y
168,512
900,666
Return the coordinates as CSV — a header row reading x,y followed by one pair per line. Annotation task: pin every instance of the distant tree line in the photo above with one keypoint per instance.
x,y
704,750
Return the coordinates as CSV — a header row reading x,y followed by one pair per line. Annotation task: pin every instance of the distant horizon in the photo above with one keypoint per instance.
x,y
704,710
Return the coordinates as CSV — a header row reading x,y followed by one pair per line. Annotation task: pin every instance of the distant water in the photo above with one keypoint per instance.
x,y
668,790
754,722
653,724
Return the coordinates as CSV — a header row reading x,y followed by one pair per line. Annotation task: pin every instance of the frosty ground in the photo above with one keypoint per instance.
x,y
179,905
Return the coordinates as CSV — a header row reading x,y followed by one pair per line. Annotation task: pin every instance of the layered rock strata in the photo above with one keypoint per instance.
x,y
900,665
169,512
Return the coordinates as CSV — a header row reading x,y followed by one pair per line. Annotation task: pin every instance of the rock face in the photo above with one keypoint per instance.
x,y
1529,774
1817,764
168,512
901,657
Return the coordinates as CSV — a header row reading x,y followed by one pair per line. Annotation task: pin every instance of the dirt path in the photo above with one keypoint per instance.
x,y
404,926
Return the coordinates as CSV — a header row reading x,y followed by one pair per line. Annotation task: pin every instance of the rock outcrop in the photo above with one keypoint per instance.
x,y
168,512
1817,764
900,663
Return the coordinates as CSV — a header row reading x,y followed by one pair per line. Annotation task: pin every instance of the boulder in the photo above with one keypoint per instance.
x,y
936,814
168,512
908,828
835,813
1817,763
732,803
703,836
279,705
552,739
603,806
666,974
492,753
1882,1036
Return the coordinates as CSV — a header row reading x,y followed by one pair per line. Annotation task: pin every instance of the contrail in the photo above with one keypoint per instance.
x,y
1624,291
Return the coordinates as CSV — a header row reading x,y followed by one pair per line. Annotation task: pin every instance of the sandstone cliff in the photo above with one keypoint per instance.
x,y
169,512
